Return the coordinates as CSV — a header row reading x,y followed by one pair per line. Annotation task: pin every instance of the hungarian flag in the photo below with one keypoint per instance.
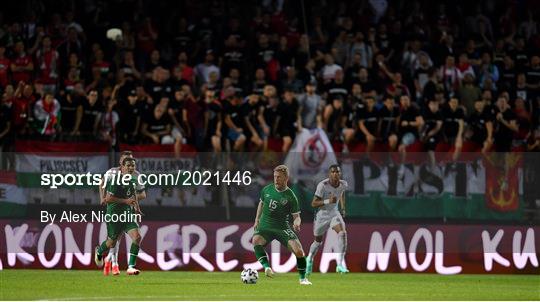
x,y
502,182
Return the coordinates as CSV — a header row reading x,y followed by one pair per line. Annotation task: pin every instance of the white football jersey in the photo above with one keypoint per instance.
x,y
325,190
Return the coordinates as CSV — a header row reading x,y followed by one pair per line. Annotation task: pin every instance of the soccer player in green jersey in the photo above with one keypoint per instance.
x,y
277,203
111,261
121,199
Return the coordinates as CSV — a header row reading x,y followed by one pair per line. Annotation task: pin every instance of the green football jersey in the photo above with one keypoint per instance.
x,y
121,191
277,207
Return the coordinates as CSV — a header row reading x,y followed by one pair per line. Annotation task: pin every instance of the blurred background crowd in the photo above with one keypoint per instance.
x,y
229,75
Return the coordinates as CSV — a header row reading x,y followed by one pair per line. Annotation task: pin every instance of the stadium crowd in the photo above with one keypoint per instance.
x,y
226,75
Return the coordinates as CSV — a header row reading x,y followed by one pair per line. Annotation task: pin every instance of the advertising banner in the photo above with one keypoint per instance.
x,y
209,246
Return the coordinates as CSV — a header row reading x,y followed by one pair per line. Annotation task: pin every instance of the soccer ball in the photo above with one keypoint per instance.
x,y
249,276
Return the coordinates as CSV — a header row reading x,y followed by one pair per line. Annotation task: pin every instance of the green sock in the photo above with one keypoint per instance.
x,y
261,256
301,266
102,248
133,252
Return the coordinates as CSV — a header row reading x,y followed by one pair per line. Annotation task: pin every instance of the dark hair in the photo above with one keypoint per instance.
x,y
334,166
126,153
127,160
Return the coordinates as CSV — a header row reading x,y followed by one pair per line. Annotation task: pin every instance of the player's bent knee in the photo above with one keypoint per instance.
x,y
258,240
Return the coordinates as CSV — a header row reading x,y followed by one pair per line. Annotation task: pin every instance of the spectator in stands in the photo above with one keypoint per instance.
x,y
234,121
197,119
183,73
368,123
130,118
157,127
46,114
410,122
450,76
332,117
433,122
480,127
215,122
291,82
108,122
311,105
47,60
255,128
70,109
487,70
336,87
329,69
287,119
128,66
260,81
388,123
89,117
505,125
453,126
22,101
4,67
22,65
203,70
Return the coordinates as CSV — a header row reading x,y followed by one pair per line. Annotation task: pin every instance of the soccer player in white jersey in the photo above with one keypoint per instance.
x,y
111,261
329,193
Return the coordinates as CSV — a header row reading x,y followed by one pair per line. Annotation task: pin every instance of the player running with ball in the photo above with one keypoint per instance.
x,y
327,195
122,199
277,203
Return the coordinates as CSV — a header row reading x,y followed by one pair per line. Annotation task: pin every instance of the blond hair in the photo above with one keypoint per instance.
x,y
282,169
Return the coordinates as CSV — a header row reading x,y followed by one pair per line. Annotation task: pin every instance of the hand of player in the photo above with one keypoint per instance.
x,y
130,201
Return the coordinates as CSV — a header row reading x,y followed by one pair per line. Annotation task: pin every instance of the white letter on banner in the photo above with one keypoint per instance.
x,y
142,254
246,244
490,250
13,244
428,239
72,248
162,245
276,259
379,255
57,233
222,246
331,245
439,257
187,231
529,250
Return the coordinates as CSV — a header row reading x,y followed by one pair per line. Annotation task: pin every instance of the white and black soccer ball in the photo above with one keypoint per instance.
x,y
249,276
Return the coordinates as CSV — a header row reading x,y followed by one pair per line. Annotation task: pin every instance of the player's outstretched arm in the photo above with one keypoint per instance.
x,y
319,202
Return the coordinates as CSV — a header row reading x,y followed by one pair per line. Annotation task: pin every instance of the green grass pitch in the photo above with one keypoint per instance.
x,y
153,285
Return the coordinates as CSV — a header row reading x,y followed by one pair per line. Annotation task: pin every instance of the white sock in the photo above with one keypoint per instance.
x,y
313,249
342,243
113,252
